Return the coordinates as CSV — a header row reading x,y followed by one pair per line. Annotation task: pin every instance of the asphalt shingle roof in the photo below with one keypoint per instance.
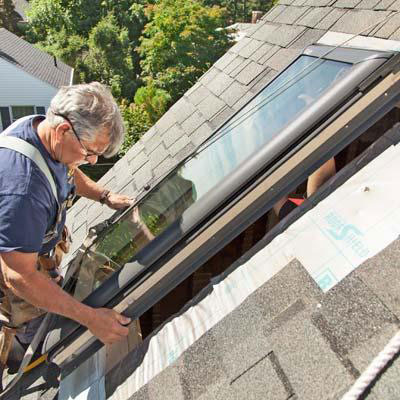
x,y
33,61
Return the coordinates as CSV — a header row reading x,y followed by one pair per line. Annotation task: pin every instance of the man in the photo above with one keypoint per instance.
x,y
82,123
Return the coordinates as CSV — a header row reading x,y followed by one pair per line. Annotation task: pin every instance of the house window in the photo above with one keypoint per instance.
x,y
5,117
21,111
280,116
40,110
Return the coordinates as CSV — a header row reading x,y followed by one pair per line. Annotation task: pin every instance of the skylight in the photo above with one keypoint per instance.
x,y
311,85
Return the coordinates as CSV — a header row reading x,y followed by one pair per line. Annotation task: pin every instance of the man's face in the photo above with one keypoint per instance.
x,y
73,151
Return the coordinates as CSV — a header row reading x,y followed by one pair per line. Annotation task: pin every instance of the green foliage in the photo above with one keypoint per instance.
x,y
96,37
137,122
181,42
240,10
9,17
108,58
155,101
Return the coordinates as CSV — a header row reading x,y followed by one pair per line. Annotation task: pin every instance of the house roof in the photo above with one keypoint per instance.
x,y
35,62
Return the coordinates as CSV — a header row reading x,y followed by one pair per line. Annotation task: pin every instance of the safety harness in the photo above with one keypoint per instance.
x,y
47,262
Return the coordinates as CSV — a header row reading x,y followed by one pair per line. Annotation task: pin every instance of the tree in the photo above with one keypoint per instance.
x,y
137,122
96,37
180,43
154,101
240,10
9,17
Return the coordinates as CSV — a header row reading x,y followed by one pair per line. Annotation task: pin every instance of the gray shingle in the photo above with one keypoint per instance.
x,y
33,61
257,55
367,4
158,156
180,144
202,133
134,151
249,73
220,83
319,3
320,371
233,93
240,68
291,15
172,135
222,117
352,297
185,152
199,95
286,2
264,32
356,21
123,179
262,381
240,45
151,140
193,122
260,83
225,60
384,282
236,66
314,17
243,100
252,46
143,176
395,36
395,6
285,35
165,122
384,4
331,19
346,3
310,36
282,58
272,51
299,2
164,168
138,161
209,76
274,12
210,106
389,27
182,109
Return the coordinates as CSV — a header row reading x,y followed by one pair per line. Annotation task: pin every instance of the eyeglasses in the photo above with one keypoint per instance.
x,y
88,153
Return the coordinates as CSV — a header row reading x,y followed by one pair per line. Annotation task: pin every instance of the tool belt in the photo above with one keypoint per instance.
x,y
16,312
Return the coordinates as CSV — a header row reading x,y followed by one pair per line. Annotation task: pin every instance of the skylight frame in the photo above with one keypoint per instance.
x,y
120,275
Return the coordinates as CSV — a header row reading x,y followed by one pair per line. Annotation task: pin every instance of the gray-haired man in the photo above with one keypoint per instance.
x,y
82,123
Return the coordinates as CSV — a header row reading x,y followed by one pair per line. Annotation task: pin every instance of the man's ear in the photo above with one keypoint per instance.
x,y
62,129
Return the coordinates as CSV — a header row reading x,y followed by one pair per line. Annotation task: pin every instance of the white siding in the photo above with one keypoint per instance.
x,y
18,88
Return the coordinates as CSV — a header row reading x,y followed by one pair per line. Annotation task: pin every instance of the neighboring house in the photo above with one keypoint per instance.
x,y
29,78
298,309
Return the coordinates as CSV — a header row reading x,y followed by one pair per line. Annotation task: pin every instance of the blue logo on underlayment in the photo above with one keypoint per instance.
x,y
326,279
349,234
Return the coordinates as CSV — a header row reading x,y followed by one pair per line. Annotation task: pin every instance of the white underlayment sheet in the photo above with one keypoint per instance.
x,y
354,223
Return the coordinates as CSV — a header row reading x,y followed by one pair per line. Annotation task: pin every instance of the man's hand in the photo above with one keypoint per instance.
x,y
108,326
117,201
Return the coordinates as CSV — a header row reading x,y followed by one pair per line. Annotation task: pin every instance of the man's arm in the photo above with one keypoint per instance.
x,y
88,188
24,280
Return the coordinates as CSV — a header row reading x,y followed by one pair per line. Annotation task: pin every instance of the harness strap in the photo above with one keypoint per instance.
x,y
31,152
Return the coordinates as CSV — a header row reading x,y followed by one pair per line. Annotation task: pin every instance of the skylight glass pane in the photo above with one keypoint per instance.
x,y
253,127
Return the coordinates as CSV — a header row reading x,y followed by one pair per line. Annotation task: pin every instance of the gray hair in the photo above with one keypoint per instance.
x,y
91,108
